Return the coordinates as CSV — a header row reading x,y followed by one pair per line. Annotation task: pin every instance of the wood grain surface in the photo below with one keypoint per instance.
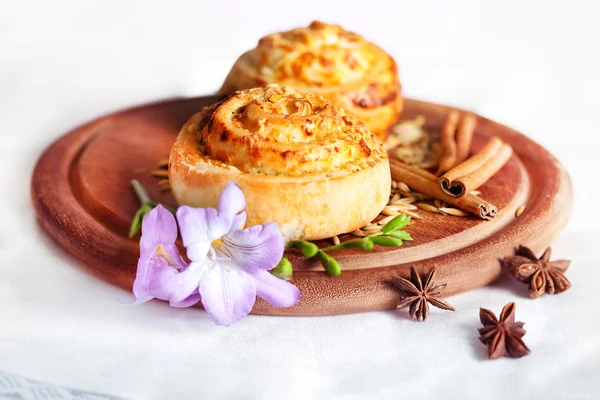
x,y
80,188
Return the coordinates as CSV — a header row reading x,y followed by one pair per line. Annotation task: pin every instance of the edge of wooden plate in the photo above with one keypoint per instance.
x,y
113,257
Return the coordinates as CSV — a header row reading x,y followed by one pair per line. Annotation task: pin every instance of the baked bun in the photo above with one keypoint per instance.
x,y
308,165
328,60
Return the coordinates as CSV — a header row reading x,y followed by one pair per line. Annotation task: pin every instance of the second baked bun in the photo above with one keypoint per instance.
x,y
308,165
342,66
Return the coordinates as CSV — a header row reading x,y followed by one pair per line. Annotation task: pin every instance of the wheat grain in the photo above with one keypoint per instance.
x,y
401,202
404,200
406,133
385,220
453,211
403,187
390,212
370,229
427,207
412,214
406,207
377,229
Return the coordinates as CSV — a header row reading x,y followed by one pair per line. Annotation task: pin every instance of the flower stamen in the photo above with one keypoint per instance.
x,y
164,256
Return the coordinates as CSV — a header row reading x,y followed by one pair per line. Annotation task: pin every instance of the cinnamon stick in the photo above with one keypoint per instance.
x,y
475,171
427,183
464,136
448,143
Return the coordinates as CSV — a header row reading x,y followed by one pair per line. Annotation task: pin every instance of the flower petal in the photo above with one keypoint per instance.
x,y
178,287
228,293
158,228
275,291
231,201
157,251
254,249
238,222
201,225
188,302
198,251
164,257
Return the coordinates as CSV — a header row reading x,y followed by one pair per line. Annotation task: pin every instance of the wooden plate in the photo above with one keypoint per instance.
x,y
80,188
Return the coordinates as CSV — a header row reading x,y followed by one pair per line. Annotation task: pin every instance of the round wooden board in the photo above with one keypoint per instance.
x,y
80,188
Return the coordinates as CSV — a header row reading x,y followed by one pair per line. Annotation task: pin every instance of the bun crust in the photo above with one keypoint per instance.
x,y
326,59
309,166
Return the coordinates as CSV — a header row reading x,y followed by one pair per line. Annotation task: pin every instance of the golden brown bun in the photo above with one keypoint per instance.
x,y
309,166
328,60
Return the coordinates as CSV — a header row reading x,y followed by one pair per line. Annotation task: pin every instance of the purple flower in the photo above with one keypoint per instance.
x,y
229,265
161,272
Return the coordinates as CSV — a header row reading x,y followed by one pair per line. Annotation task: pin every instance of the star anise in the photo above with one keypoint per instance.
x,y
542,275
417,294
504,334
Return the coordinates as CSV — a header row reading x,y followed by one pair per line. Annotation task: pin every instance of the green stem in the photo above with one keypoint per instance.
x,y
140,192
334,248
332,267
362,244
308,249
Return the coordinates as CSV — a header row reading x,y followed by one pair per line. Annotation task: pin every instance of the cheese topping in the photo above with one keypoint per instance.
x,y
277,131
318,55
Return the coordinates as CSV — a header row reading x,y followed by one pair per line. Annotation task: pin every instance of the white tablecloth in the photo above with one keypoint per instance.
x,y
532,66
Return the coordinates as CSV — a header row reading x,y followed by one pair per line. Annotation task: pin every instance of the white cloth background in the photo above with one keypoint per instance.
x,y
531,65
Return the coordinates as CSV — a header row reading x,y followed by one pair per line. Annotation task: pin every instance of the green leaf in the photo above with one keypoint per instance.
x,y
283,270
136,223
386,241
362,244
138,218
396,223
403,235
308,249
332,267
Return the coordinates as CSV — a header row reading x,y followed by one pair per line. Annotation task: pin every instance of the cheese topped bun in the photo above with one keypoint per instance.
x,y
328,60
308,165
